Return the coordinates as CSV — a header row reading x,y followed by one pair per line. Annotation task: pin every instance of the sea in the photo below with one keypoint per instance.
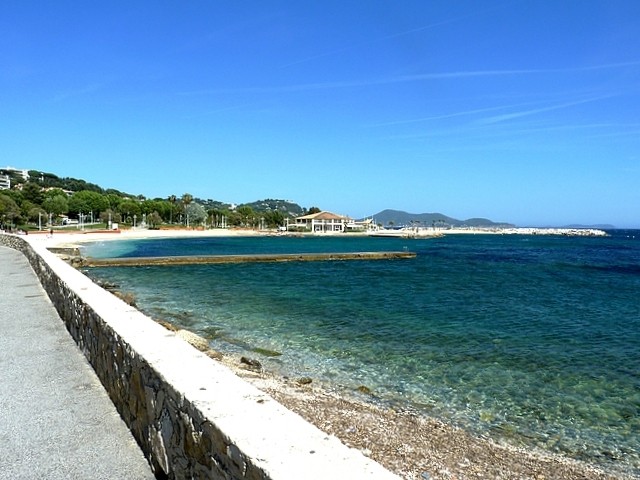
x,y
532,340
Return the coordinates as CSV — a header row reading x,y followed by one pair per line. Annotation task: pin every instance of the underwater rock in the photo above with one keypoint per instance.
x,y
250,362
127,297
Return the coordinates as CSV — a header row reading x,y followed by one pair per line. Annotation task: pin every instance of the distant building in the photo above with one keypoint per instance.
x,y
20,171
366,225
5,182
321,222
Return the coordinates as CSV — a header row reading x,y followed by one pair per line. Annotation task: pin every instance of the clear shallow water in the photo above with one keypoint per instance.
x,y
530,340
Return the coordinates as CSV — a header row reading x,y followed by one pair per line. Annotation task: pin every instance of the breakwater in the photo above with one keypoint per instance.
x,y
206,259
192,417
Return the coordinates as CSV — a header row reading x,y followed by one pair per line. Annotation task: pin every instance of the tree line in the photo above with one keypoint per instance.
x,y
45,199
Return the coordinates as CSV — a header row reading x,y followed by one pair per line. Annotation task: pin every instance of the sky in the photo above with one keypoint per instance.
x,y
519,111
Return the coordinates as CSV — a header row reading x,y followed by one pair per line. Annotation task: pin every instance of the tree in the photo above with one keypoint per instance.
x,y
9,210
33,192
215,215
187,198
234,218
87,201
114,200
110,215
313,210
246,214
36,214
172,200
56,205
154,219
274,218
128,208
196,213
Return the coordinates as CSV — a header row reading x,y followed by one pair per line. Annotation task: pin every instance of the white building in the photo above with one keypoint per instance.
x,y
321,222
5,182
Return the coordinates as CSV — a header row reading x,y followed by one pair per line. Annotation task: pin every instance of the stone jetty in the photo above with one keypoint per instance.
x,y
205,259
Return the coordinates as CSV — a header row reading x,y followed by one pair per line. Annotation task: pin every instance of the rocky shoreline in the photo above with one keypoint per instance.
x,y
413,446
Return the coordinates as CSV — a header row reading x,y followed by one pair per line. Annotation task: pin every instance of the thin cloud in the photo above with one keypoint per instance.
x,y
394,35
404,79
370,42
449,115
534,111
360,83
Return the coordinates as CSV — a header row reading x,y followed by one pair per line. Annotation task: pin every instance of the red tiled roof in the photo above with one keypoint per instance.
x,y
323,216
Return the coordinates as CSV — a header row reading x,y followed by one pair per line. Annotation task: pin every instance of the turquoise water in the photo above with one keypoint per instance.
x,y
531,340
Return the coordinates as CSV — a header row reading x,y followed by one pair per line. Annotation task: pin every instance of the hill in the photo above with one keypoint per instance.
x,y
400,218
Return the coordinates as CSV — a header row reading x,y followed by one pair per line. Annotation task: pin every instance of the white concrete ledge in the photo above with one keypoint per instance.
x,y
192,416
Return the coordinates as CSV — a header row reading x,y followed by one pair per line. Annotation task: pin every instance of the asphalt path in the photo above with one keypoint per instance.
x,y
56,419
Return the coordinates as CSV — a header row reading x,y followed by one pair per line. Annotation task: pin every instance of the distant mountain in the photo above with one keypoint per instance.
x,y
399,218
286,207
270,205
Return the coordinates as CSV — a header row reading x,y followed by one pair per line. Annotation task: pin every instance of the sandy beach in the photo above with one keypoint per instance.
x,y
408,443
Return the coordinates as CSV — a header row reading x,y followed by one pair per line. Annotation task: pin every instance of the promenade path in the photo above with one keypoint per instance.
x,y
56,420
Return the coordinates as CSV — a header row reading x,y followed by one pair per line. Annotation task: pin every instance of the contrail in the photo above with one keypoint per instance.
x,y
526,113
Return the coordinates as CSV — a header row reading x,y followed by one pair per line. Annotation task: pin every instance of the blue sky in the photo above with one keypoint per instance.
x,y
519,111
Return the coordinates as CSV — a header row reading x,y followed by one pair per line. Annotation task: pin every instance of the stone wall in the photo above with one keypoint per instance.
x,y
192,417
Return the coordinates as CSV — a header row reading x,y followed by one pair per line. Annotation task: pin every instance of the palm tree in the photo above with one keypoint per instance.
x,y
187,198
172,199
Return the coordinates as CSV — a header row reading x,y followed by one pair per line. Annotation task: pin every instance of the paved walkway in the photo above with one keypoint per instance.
x,y
56,420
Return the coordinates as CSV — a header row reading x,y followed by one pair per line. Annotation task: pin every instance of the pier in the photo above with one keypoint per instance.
x,y
215,259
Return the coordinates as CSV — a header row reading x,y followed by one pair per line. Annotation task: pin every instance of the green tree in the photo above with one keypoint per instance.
x,y
15,195
36,214
33,192
215,216
274,218
313,210
172,199
187,198
128,208
56,205
234,219
86,201
9,211
114,200
247,215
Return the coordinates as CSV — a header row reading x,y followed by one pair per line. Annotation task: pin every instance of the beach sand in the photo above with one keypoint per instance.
x,y
410,444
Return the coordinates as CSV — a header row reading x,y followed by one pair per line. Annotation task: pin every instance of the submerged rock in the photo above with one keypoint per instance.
x,y
127,297
216,355
364,389
266,352
251,362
